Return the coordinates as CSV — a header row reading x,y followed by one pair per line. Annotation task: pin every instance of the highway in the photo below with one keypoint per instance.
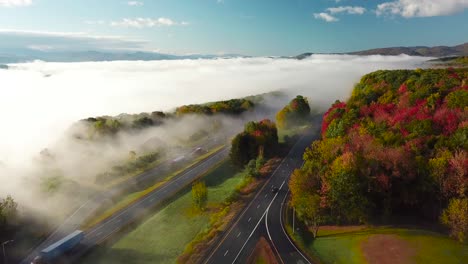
x,y
121,219
263,217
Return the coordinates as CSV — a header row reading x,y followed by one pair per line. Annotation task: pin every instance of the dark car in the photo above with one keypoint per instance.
x,y
274,189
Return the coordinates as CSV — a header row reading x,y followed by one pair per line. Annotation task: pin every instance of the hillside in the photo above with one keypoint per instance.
x,y
438,51
398,149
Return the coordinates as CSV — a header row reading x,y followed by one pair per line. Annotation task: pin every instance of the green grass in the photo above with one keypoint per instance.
x,y
345,246
131,198
162,237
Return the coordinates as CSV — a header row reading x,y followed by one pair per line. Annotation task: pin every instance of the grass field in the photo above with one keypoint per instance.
x,y
383,245
131,198
162,237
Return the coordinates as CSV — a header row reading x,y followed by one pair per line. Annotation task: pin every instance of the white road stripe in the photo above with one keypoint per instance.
x,y
226,252
250,218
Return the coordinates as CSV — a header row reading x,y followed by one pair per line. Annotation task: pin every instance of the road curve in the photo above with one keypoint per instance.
x,y
262,217
123,218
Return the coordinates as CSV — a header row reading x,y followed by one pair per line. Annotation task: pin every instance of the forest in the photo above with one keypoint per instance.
x,y
397,149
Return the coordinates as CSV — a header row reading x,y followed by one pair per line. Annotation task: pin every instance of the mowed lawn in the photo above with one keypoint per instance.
x,y
385,245
162,237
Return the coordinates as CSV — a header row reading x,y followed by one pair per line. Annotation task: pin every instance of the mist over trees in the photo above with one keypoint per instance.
x,y
398,147
8,212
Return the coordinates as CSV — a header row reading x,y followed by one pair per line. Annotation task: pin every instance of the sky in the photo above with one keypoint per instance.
x,y
248,27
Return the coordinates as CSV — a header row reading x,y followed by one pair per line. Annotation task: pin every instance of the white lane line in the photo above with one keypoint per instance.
x,y
118,220
152,200
284,231
257,195
162,189
239,234
255,228
266,224
266,195
226,252
99,233
258,206
250,218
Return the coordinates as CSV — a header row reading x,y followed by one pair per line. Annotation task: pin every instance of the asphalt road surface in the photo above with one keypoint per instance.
x,y
121,219
263,217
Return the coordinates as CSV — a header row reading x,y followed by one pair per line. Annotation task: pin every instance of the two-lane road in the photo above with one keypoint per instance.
x,y
262,217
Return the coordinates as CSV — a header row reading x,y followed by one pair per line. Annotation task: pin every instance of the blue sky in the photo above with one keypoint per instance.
x,y
250,27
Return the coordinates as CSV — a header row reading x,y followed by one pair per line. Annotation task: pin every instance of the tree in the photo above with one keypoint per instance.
x,y
455,216
257,139
295,113
8,211
199,195
306,200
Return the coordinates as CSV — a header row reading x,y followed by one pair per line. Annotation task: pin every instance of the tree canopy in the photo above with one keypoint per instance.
x,y
295,113
397,146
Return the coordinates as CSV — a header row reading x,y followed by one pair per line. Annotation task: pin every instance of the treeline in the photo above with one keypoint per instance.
x,y
108,126
231,107
398,147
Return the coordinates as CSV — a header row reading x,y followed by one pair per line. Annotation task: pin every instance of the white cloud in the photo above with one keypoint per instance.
x,y
71,41
325,17
421,8
135,3
352,10
12,3
146,22
80,90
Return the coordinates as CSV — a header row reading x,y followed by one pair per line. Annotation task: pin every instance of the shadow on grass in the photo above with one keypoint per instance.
x,y
126,256
224,171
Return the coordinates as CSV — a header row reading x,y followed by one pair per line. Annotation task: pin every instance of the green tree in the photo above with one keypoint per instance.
x,y
455,216
199,195
8,211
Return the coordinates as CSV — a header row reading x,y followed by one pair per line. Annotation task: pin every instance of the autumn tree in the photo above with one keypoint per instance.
x,y
455,216
259,139
295,113
199,195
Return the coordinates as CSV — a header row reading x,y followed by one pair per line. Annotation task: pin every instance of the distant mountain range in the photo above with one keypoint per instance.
x,y
25,55
438,51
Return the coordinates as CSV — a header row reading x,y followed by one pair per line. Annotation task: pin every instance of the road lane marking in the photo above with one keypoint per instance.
x,y
255,228
161,189
152,200
258,206
239,234
226,252
284,231
256,196
250,218
266,195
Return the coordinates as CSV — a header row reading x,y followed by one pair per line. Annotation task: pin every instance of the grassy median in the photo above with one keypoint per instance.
x,y
162,237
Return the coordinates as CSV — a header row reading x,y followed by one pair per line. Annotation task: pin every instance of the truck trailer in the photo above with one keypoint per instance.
x,y
52,252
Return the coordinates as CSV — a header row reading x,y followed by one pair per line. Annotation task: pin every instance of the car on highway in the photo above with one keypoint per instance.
x,y
274,189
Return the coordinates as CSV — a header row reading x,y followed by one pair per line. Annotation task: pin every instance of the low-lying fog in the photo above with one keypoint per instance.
x,y
39,100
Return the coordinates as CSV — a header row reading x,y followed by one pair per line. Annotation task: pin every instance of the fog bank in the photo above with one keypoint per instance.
x,y
39,100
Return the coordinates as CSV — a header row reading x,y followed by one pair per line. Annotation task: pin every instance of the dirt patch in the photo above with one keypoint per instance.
x,y
339,229
262,253
387,249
